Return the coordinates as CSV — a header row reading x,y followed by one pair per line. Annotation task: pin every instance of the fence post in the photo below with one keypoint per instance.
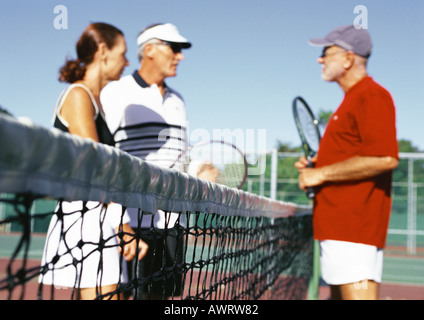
x,y
412,209
274,166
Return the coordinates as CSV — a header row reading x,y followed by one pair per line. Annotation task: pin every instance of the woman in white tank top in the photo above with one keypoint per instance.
x,y
71,256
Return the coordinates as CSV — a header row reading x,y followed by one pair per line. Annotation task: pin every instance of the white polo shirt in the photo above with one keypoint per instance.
x,y
146,125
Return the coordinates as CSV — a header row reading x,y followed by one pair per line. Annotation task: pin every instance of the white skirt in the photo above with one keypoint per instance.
x,y
81,249
347,262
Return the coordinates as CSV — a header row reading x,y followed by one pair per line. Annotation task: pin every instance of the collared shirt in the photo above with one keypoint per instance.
x,y
149,126
363,125
145,123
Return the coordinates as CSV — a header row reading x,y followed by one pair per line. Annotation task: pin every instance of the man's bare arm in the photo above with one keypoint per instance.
x,y
356,168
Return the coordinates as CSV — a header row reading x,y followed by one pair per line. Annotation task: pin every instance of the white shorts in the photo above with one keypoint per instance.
x,y
347,262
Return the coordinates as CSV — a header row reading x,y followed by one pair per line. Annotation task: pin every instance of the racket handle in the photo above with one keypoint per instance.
x,y
310,193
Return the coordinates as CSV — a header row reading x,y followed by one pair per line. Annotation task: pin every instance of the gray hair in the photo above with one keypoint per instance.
x,y
140,49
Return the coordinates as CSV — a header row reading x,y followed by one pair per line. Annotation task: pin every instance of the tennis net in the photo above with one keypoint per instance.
x,y
213,242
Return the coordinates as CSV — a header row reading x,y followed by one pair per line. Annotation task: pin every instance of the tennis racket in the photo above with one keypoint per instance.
x,y
307,126
216,161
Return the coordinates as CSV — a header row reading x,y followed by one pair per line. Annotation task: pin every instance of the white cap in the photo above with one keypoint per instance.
x,y
165,32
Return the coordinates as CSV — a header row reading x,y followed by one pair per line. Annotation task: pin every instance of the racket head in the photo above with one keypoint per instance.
x,y
218,161
307,126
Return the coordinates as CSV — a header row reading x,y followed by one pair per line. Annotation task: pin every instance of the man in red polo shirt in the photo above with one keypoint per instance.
x,y
353,169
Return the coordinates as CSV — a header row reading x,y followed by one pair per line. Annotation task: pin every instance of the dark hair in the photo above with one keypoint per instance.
x,y
87,46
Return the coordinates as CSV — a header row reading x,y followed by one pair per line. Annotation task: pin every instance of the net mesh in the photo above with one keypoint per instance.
x,y
214,243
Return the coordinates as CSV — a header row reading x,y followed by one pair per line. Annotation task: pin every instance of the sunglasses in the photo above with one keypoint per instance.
x,y
326,54
175,47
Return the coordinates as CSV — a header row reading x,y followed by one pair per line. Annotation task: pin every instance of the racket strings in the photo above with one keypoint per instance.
x,y
309,130
221,163
232,176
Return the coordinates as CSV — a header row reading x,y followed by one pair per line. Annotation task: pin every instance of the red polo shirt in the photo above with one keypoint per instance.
x,y
363,125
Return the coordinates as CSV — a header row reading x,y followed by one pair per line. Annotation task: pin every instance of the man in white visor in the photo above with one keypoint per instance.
x,y
148,120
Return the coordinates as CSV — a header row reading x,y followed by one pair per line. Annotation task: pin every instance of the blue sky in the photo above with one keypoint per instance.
x,y
249,58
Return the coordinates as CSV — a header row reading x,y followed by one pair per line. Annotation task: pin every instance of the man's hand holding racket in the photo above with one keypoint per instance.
x,y
308,176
